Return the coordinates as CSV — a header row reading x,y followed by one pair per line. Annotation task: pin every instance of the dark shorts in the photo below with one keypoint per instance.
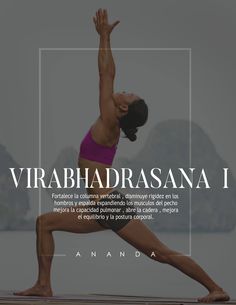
x,y
113,213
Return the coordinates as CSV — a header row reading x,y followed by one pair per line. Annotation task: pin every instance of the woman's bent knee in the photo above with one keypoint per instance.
x,y
164,257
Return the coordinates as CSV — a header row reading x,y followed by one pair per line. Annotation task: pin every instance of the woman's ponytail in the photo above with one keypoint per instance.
x,y
130,133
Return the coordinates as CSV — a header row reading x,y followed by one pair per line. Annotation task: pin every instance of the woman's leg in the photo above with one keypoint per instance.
x,y
45,225
138,235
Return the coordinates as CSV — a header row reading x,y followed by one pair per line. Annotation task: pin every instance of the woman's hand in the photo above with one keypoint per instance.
x,y
101,23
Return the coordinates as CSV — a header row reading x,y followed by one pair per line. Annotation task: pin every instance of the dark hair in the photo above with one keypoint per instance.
x,y
137,116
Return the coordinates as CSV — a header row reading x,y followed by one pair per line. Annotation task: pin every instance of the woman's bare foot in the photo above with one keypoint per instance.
x,y
36,290
215,296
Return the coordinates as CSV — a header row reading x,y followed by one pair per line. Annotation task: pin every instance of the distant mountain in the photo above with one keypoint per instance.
x,y
14,202
167,147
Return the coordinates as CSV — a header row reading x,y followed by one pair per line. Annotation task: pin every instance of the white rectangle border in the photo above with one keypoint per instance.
x,y
189,50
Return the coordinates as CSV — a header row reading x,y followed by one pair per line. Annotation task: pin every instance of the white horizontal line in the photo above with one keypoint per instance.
x,y
115,49
53,255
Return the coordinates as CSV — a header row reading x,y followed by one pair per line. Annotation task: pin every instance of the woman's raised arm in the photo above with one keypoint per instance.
x,y
106,65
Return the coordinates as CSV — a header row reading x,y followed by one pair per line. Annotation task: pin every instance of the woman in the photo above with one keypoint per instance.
x,y
117,111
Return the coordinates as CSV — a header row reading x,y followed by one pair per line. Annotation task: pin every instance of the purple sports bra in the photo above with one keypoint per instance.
x,y
93,151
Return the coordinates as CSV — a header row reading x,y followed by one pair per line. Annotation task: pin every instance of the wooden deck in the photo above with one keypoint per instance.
x,y
6,297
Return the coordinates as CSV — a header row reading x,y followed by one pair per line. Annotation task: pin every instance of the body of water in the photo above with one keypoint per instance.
x,y
117,275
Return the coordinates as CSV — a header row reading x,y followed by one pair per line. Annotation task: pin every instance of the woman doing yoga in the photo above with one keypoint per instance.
x,y
118,111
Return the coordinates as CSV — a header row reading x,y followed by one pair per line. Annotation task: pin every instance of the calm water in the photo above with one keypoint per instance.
x,y
117,275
